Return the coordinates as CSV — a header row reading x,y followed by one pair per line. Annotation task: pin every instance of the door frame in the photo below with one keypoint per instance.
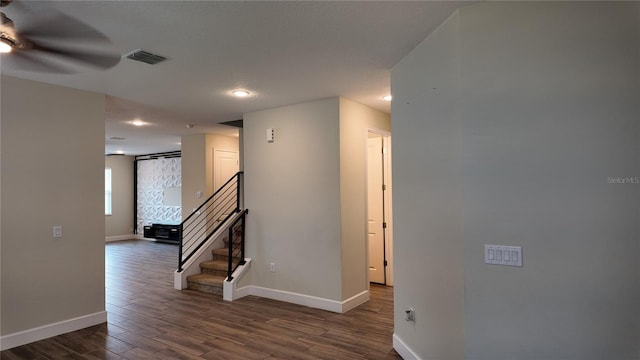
x,y
387,205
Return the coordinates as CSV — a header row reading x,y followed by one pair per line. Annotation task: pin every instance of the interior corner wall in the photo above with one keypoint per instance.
x,y
543,98
194,172
427,198
197,167
292,191
52,149
355,121
120,222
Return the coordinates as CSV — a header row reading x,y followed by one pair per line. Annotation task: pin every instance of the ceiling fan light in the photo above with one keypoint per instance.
x,y
5,46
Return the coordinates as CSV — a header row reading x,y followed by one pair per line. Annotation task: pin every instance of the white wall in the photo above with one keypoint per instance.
x,y
120,222
427,197
292,191
355,120
52,151
306,195
197,166
545,98
551,111
194,174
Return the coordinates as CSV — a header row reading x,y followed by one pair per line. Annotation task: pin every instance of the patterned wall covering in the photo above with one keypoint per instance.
x,y
153,177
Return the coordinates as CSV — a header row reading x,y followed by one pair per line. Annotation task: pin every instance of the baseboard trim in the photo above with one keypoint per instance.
x,y
355,300
51,330
295,298
304,300
120,237
239,293
403,350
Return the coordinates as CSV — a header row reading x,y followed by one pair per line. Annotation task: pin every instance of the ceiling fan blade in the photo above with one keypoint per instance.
x,y
39,44
24,60
90,58
61,27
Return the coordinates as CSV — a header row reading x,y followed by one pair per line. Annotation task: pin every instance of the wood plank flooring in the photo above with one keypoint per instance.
x,y
148,319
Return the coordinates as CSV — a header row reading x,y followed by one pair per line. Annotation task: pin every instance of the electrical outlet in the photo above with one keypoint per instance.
x,y
410,315
272,267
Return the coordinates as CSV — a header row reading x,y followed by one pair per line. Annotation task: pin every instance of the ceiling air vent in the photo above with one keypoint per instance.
x,y
117,138
145,57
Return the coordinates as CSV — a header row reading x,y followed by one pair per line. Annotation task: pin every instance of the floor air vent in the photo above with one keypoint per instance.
x,y
145,57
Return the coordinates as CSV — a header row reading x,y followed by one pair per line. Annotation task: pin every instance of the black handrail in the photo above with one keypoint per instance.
x,y
207,218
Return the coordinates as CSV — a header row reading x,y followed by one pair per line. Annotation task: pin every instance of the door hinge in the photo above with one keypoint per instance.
x,y
384,225
385,263
384,187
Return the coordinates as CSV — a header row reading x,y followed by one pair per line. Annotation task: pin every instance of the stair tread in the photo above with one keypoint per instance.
x,y
220,251
215,264
206,279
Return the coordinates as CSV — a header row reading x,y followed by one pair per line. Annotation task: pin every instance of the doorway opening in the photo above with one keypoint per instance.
x,y
379,219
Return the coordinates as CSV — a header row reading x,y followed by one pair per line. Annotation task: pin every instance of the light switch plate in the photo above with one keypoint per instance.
x,y
57,231
503,255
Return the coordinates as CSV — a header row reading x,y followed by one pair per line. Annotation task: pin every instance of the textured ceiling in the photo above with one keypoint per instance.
x,y
283,52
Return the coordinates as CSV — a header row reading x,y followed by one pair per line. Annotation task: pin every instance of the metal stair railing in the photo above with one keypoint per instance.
x,y
204,221
236,244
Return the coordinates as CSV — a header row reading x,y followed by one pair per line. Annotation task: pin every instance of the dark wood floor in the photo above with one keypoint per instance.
x,y
148,319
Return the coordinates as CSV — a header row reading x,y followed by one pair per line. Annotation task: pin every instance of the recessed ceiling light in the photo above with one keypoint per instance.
x,y
240,93
138,122
387,98
120,152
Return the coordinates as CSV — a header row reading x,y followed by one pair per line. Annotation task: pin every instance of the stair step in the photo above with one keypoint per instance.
x,y
236,240
223,253
220,253
208,283
215,267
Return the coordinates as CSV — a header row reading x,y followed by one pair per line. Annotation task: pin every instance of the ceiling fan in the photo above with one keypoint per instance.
x,y
53,42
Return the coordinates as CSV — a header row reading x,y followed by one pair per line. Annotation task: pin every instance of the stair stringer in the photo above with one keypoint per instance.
x,y
192,266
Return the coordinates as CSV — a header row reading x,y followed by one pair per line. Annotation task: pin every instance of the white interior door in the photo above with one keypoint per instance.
x,y
225,165
375,209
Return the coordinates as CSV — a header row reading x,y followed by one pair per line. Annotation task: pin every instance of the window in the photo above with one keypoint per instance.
x,y
107,191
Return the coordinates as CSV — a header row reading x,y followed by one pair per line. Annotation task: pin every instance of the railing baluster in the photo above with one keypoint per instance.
x,y
180,248
238,192
242,257
230,262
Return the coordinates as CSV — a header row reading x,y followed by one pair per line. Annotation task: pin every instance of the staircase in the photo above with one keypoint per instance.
x,y
214,272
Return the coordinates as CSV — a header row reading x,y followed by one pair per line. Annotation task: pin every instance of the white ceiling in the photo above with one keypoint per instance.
x,y
282,52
